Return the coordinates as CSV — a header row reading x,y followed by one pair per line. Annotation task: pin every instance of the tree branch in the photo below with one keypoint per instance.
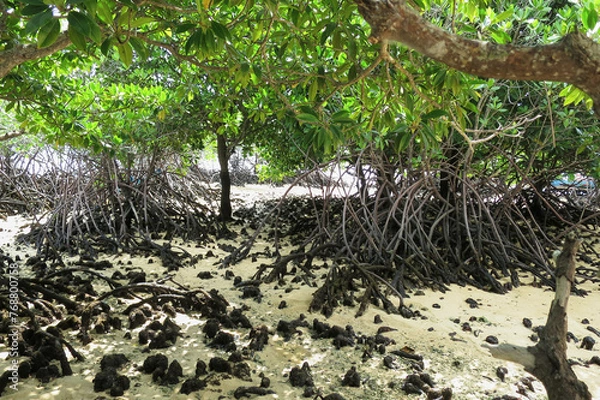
x,y
11,135
575,59
21,53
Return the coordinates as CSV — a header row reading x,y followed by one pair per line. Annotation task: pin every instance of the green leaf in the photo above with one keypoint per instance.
x,y
105,13
209,43
33,9
220,30
572,95
77,38
471,107
37,21
96,34
184,27
500,36
80,23
136,23
308,110
313,89
352,73
257,71
125,53
106,45
130,4
342,117
336,43
435,114
329,28
404,142
307,118
194,41
504,15
91,6
85,26
48,33
139,47
589,17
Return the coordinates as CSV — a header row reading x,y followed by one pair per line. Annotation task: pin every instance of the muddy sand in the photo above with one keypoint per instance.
x,y
448,333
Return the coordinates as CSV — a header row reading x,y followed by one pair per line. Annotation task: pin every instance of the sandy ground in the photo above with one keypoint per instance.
x,y
453,357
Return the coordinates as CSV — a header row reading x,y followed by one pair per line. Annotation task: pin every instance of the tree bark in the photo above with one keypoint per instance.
x,y
575,59
223,156
21,53
548,360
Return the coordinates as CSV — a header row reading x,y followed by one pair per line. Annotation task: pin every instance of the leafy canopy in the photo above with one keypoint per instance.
x,y
300,72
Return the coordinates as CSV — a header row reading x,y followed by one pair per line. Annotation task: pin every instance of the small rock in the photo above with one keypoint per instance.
x,y
472,303
390,362
309,391
224,340
259,338
410,388
173,373
446,393
205,275
192,385
301,376
200,368
154,362
265,382
219,364
104,380
491,339
501,373
534,337
211,328
242,371
588,343
137,318
115,361
351,378
334,396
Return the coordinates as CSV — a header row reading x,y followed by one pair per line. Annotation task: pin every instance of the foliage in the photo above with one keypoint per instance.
x,y
309,58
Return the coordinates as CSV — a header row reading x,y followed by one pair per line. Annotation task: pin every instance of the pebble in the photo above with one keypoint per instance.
x,y
588,343
491,339
501,373
351,378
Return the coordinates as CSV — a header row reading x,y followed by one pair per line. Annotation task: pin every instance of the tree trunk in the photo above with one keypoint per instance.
x,y
547,360
449,174
223,155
